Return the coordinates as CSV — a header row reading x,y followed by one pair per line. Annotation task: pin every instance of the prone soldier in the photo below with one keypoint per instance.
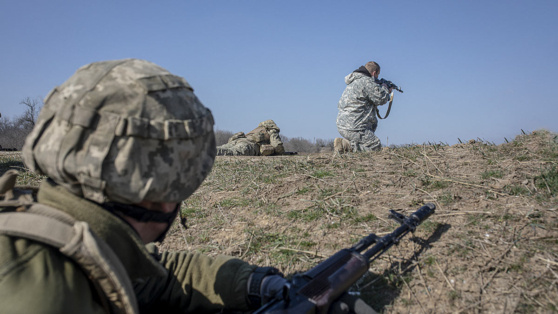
x,y
122,144
261,141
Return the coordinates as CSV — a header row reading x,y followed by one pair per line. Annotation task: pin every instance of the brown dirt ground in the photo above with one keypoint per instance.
x,y
491,246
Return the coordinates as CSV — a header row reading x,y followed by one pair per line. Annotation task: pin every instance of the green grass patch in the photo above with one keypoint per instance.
x,y
440,185
322,174
194,212
234,202
13,161
307,244
365,218
306,215
410,173
548,180
492,174
522,158
508,217
516,189
430,260
303,190
446,198
272,209
261,240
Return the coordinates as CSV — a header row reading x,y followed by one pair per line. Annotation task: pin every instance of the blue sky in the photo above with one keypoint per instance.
x,y
469,69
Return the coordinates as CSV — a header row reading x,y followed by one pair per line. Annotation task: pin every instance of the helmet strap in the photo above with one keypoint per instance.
x,y
141,214
144,215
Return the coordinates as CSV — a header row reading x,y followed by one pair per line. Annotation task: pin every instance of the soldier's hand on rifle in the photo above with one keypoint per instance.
x,y
324,287
272,287
388,87
350,304
264,284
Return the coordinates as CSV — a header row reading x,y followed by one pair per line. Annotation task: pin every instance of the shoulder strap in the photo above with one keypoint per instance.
x,y
75,240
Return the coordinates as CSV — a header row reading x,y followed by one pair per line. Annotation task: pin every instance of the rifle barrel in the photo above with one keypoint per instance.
x,y
409,224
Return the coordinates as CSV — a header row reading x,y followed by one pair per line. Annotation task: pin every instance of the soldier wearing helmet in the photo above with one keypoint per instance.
x,y
122,144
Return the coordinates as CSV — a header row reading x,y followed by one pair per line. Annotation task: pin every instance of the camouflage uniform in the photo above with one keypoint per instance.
x,y
37,278
113,135
263,140
238,145
356,120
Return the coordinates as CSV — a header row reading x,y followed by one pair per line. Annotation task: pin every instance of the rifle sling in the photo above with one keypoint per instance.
x,y
389,108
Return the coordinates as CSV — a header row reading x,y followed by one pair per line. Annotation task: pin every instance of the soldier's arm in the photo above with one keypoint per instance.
x,y
376,93
201,283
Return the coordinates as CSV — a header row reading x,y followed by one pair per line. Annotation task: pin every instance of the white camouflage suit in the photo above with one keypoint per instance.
x,y
356,120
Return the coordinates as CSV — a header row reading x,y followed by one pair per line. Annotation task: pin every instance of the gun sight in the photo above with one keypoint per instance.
x,y
390,84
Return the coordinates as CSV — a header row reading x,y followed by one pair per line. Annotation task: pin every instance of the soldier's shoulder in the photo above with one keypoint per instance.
x,y
36,277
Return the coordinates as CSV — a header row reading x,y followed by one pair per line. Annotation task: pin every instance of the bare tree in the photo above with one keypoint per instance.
x,y
222,137
31,112
298,144
13,131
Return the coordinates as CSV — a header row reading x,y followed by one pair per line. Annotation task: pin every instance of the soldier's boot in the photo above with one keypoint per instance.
x,y
341,145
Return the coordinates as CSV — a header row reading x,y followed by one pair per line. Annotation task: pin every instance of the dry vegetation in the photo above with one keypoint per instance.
x,y
295,144
491,246
14,130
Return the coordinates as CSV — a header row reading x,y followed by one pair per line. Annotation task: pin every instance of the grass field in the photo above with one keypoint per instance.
x,y
491,246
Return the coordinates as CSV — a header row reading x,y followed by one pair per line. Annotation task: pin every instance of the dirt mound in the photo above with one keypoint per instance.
x,y
490,247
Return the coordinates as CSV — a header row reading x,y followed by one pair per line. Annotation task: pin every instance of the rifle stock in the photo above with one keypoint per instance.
x,y
315,290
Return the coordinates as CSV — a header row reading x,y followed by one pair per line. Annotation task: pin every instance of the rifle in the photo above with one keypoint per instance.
x,y
390,84
315,290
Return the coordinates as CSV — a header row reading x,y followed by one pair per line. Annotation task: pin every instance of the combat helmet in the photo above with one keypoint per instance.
x,y
123,131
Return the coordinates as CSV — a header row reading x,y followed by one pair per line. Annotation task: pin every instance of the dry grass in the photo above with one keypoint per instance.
x,y
491,246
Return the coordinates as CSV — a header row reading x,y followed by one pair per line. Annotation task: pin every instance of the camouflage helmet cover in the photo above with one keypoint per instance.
x,y
123,131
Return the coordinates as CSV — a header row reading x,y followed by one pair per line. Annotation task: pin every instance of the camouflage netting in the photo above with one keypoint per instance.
x,y
124,131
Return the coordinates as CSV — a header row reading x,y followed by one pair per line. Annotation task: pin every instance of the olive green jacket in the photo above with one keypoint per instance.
x,y
37,278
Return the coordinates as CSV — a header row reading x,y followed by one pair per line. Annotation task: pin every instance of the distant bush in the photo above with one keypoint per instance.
x,y
301,145
324,145
298,144
14,131
222,137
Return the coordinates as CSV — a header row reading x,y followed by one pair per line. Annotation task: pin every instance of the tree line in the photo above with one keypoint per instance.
x,y
14,131
294,144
